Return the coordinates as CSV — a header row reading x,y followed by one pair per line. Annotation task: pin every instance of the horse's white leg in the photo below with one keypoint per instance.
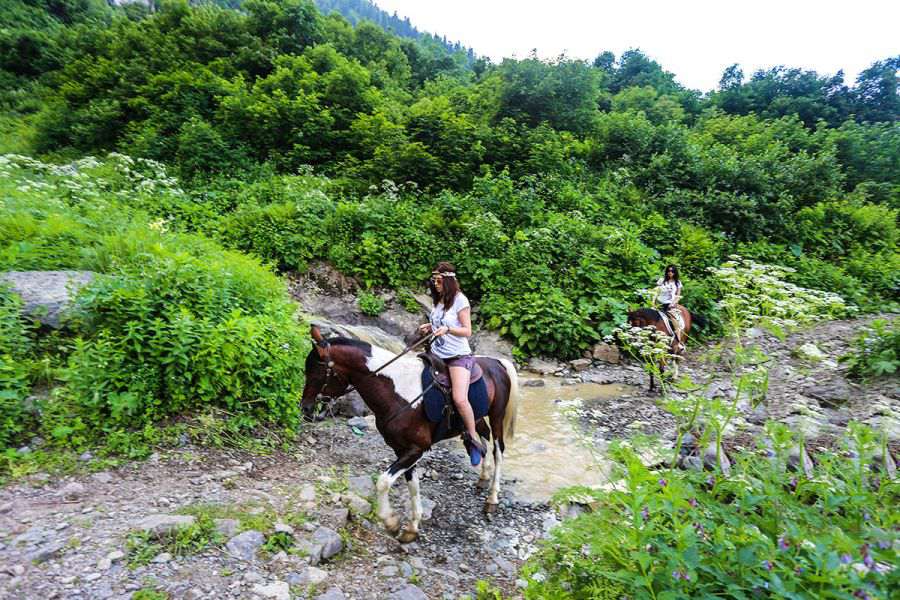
x,y
493,496
383,489
486,466
411,531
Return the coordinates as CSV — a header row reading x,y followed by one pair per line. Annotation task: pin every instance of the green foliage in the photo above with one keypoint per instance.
x,y
539,322
172,323
14,375
150,594
686,534
875,351
370,304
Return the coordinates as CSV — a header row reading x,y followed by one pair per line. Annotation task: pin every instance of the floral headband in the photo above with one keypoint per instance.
x,y
446,274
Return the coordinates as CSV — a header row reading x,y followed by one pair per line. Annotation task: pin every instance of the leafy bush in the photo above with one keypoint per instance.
x,y
540,323
173,322
752,291
875,351
14,384
370,304
766,531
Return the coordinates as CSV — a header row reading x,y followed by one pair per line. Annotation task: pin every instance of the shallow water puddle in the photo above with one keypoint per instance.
x,y
547,453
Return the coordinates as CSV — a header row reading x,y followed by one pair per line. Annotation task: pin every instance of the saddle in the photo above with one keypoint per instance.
x,y
438,396
667,319
442,371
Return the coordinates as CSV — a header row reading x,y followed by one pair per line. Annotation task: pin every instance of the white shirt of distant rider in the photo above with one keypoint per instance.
x,y
449,345
668,290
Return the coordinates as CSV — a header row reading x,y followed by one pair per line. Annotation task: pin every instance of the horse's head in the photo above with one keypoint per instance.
x,y
641,318
325,379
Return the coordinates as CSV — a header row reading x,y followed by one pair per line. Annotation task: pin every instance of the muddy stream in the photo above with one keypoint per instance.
x,y
548,452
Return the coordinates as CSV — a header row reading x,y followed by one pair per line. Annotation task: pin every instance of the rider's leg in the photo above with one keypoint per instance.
x,y
459,380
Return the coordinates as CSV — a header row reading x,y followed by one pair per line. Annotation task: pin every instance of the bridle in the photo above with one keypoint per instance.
x,y
330,370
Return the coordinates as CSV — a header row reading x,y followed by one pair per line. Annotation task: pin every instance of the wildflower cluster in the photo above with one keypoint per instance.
x,y
645,344
89,179
753,292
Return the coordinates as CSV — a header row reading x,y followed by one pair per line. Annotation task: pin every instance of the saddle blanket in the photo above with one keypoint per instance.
x,y
434,398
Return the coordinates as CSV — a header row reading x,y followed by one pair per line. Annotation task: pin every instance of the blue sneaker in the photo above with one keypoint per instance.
x,y
476,450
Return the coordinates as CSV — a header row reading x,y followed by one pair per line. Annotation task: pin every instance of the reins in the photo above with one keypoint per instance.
x,y
329,365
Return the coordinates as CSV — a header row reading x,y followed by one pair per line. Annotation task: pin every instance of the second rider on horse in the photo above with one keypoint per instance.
x,y
451,325
668,295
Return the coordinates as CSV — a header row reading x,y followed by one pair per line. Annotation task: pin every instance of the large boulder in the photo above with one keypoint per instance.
x,y
46,295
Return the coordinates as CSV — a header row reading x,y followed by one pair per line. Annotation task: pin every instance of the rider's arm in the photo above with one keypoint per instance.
x,y
465,318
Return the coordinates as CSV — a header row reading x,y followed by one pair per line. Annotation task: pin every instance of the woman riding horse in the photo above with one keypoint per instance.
x,y
451,325
668,294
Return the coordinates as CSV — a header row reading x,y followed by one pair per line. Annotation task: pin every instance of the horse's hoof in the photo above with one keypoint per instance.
x,y
483,484
407,536
392,524
490,509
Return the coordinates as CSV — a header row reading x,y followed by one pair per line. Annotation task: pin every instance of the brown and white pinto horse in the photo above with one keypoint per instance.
x,y
335,364
650,317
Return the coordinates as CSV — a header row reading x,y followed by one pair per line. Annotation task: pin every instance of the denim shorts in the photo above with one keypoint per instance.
x,y
467,362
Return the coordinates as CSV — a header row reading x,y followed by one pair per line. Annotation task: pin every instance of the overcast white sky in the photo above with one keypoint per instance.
x,y
695,39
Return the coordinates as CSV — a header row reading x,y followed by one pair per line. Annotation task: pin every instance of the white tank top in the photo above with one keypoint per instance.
x,y
449,345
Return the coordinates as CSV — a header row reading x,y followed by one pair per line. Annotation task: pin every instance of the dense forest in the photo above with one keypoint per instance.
x,y
559,188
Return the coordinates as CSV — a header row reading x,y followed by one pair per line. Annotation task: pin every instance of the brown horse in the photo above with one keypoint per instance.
x,y
391,394
650,317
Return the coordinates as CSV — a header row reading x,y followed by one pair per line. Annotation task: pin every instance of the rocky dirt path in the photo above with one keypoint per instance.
x,y
67,538
808,388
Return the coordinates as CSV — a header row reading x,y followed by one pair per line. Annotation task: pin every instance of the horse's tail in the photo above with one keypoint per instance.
x,y
512,404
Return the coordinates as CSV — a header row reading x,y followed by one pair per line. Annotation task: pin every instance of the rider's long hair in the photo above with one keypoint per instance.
x,y
674,274
451,286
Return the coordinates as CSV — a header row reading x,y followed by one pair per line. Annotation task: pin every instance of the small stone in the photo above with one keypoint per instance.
x,y
162,558
307,493
115,555
86,457
279,590
284,528
6,507
92,577
709,459
358,422
334,593
160,526
406,569
608,353
18,570
104,564
534,383
340,516
47,552
356,505
72,491
362,486
227,527
388,571
408,592
316,576
245,545
102,477
253,577
330,540
580,364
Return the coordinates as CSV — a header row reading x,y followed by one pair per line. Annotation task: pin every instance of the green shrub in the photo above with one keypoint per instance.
x,y
875,351
543,323
14,384
370,304
172,322
764,532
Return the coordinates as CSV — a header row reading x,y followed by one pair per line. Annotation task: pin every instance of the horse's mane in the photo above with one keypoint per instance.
x,y
366,347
